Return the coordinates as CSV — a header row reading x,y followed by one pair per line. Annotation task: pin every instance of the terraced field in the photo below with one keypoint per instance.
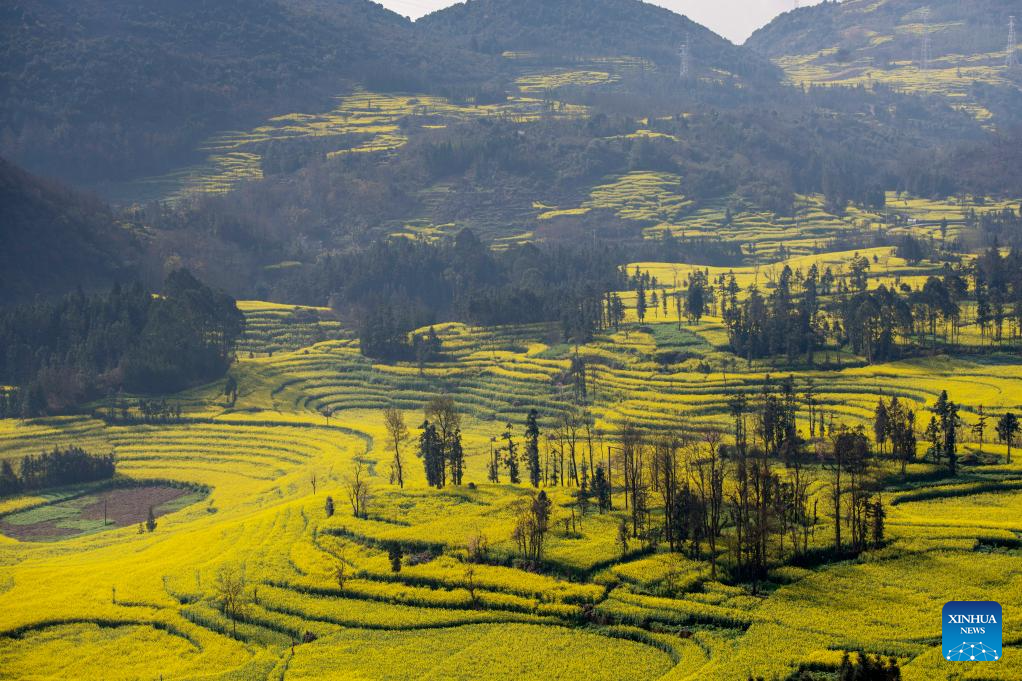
x,y
362,122
881,43
307,408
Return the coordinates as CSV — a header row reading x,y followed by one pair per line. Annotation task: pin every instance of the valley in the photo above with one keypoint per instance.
x,y
545,339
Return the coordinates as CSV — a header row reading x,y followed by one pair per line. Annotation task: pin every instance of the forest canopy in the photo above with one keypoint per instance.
x,y
59,354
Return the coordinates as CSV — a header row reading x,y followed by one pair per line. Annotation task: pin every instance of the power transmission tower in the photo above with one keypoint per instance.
x,y
685,55
1011,59
926,45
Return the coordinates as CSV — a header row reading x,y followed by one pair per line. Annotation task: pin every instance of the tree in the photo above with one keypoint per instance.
x,y
879,516
397,432
532,446
622,538
881,424
477,548
395,554
850,453
511,456
695,298
470,585
431,453
341,573
443,413
9,482
902,428
456,457
329,507
709,477
493,465
229,586
1007,427
946,413
640,302
601,489
231,390
979,428
150,523
356,486
532,517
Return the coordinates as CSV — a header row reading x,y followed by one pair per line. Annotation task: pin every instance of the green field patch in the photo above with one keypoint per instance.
x,y
109,509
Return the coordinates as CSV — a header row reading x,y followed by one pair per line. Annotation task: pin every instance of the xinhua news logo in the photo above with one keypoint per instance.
x,y
972,631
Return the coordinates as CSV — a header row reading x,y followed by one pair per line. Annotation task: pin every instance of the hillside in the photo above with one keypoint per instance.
x,y
113,89
499,346
586,28
55,239
869,42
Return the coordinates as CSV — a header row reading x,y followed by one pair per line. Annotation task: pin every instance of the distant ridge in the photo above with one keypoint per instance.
x,y
110,89
587,27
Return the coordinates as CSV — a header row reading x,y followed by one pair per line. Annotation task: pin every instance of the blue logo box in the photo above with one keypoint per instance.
x,y
972,631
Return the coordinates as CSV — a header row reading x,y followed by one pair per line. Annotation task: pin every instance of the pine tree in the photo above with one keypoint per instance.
x,y
532,446
881,424
431,453
600,489
879,515
946,412
640,302
456,457
511,456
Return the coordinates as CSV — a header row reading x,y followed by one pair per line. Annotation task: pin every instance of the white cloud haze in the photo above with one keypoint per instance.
x,y
733,19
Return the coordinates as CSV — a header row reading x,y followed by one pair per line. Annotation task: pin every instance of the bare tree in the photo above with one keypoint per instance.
x,y
398,433
470,585
709,475
477,548
531,524
356,486
341,572
229,586
571,422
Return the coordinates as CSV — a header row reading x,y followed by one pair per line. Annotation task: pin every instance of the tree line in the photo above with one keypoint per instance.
x,y
800,313
394,287
60,354
69,466
740,497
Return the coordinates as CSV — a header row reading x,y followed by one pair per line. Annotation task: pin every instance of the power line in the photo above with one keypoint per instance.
x,y
685,55
926,44
1012,57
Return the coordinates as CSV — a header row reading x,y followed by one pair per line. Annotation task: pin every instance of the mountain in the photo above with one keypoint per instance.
x,y
55,239
882,42
590,28
96,90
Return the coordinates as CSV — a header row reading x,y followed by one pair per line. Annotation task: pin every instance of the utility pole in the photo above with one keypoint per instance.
x,y
926,44
1011,60
685,56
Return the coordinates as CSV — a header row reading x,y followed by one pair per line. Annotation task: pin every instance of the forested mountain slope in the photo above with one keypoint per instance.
x,y
53,239
111,89
955,49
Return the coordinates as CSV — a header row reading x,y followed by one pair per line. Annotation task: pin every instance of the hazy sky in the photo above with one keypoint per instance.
x,y
733,19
